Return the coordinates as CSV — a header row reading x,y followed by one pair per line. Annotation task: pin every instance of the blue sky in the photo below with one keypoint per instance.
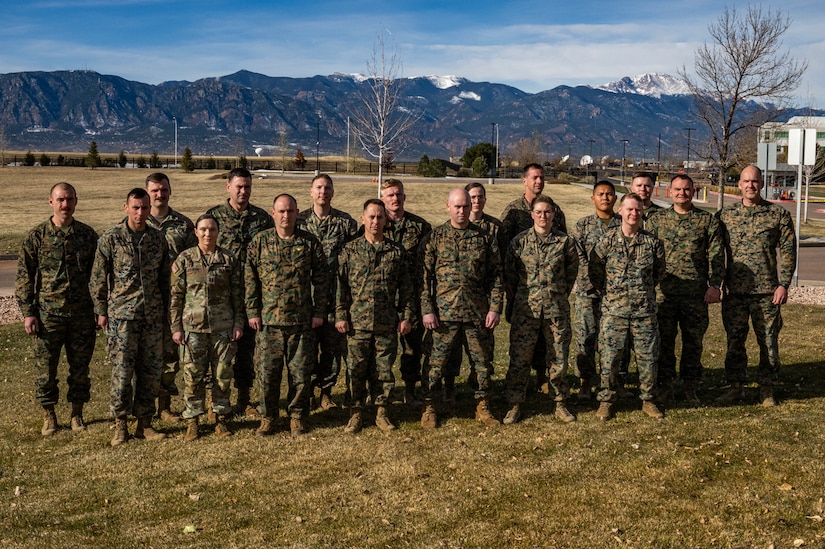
x,y
532,45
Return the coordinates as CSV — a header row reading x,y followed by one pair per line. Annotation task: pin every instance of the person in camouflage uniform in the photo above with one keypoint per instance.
x,y
461,296
588,301
478,199
408,230
374,299
240,221
206,312
541,266
516,218
626,265
130,290
180,235
752,229
695,270
286,299
333,228
642,184
52,291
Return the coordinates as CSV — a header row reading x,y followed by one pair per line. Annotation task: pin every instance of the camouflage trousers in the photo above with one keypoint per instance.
x,y
244,366
412,346
445,338
370,357
541,345
616,333
767,322
277,347
586,328
136,352
171,363
332,351
690,314
524,334
207,355
77,335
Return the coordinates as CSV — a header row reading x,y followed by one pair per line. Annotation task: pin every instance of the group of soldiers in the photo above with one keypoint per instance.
x,y
242,294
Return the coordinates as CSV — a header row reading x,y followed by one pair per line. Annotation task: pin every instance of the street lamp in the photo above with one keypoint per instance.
x,y
624,148
175,118
591,141
317,148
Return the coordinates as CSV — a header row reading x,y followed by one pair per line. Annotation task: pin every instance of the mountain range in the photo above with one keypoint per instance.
x,y
245,111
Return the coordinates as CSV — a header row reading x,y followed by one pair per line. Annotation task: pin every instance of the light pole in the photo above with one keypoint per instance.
x,y
687,166
591,141
644,154
492,153
624,148
318,148
175,118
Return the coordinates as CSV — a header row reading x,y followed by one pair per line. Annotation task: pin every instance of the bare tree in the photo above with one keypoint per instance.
x,y
4,145
283,143
744,63
381,122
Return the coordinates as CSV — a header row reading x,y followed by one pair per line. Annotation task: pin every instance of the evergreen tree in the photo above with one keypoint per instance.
x,y
154,161
187,162
45,160
424,166
300,159
121,159
93,158
479,167
211,164
28,160
141,162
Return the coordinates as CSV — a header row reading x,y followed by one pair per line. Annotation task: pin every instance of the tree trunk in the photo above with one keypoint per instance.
x,y
720,200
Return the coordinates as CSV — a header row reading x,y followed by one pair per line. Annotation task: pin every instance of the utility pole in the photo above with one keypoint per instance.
x,y
687,166
624,148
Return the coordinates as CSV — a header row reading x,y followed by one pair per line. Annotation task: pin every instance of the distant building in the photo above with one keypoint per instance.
x,y
777,132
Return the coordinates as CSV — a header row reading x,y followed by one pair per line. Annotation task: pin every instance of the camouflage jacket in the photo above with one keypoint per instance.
x,y
587,232
750,237
207,292
238,228
53,270
627,271
693,251
409,233
494,226
462,274
375,290
130,280
541,270
286,279
178,230
333,231
516,218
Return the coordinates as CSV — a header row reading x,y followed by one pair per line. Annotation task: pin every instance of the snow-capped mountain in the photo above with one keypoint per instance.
x,y
653,84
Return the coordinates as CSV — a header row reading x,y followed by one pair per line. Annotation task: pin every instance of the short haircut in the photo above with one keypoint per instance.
x,y
604,183
649,176
321,176
62,185
631,196
138,193
531,166
374,202
238,172
206,216
476,185
684,176
288,196
392,183
158,177
543,199
758,171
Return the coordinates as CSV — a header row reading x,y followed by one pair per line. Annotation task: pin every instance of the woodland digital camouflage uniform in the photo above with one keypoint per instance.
x,y
750,236
588,301
333,231
286,286
52,284
206,304
130,285
542,271
237,230
627,271
462,283
695,260
374,294
516,218
180,235
409,232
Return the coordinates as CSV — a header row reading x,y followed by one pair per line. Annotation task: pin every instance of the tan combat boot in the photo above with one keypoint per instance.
x,y
76,420
221,428
243,407
651,410
542,383
145,431
735,393
484,415
356,420
563,414
296,427
191,430
326,400
605,411
429,418
121,435
410,397
49,421
382,421
165,409
766,397
266,428
513,414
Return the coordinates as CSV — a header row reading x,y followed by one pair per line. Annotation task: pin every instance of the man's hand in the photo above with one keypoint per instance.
x,y
404,327
317,322
342,326
713,295
492,320
430,321
32,325
255,323
103,322
237,333
780,296
178,338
